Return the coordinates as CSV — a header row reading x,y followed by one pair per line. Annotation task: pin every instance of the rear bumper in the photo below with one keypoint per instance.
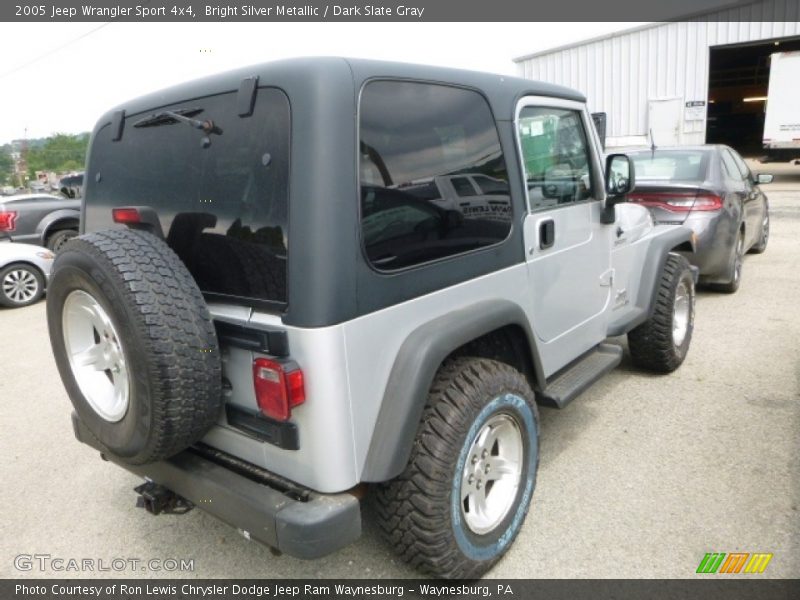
x,y
309,528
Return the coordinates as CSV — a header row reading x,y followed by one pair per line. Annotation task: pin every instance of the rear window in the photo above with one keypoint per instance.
x,y
667,165
223,207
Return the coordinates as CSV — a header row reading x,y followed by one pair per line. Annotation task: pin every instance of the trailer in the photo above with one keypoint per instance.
x,y
781,138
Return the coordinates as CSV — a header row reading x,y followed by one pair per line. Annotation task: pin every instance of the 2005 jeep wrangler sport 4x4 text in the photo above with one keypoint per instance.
x,y
272,304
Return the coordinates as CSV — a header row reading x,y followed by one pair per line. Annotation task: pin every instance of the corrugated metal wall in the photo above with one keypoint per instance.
x,y
619,74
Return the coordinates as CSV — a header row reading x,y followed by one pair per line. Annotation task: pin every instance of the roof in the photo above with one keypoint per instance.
x,y
325,75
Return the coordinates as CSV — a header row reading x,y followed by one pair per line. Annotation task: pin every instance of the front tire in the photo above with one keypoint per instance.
x,y
20,285
660,344
464,494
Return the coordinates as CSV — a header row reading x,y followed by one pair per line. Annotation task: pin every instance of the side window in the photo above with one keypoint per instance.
x,y
422,146
744,170
730,166
556,156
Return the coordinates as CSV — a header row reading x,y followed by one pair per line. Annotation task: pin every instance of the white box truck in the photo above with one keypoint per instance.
x,y
781,137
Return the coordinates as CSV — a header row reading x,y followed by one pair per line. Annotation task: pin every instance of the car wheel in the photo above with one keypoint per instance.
x,y
58,239
761,246
464,494
20,285
735,269
660,344
134,344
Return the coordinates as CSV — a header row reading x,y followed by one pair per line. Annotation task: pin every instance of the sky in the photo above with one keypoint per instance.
x,y
61,77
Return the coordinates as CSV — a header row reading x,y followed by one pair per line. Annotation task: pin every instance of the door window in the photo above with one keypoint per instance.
x,y
555,156
730,166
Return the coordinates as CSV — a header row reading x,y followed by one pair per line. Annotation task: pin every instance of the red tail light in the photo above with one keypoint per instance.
x,y
126,216
279,388
678,201
8,220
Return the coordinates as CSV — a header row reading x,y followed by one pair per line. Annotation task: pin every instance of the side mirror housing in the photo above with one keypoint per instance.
x,y
764,178
620,180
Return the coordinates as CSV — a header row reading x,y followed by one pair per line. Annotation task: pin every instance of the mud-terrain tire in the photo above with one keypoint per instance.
x,y
134,343
479,412
660,344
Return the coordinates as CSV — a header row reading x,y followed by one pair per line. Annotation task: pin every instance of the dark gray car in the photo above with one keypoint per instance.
x,y
39,219
711,190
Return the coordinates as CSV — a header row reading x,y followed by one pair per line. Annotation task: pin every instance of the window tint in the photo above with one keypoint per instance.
x,y
730,166
670,165
422,146
555,155
223,208
744,170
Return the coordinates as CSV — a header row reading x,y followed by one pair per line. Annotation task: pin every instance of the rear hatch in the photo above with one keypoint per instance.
x,y
221,195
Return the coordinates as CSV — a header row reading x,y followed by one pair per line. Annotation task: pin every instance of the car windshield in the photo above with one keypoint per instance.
x,y
671,165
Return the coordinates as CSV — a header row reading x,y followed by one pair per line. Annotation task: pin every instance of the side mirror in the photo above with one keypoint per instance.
x,y
620,180
764,178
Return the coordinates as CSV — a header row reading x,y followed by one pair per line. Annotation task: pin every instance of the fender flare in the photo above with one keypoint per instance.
x,y
657,252
414,369
54,217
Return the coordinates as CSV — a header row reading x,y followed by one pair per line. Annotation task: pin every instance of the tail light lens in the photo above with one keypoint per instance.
x,y
678,202
126,216
279,388
8,220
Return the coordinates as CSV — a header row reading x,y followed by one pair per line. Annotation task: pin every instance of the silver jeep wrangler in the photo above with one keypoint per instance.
x,y
308,280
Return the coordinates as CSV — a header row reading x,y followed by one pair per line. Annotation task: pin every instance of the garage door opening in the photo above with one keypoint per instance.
x,y
738,79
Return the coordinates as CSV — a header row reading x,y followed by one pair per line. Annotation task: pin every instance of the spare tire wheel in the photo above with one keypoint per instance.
x,y
134,343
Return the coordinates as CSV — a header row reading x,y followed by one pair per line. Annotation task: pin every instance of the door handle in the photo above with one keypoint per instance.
x,y
547,234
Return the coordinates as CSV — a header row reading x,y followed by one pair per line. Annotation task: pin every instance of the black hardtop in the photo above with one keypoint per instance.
x,y
307,74
328,279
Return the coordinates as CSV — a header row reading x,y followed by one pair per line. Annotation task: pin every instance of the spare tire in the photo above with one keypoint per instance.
x,y
134,343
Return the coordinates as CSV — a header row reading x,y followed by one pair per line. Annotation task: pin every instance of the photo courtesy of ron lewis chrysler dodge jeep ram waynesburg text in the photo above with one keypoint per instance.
x,y
346,272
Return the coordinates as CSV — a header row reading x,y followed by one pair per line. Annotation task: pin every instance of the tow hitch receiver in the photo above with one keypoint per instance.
x,y
157,499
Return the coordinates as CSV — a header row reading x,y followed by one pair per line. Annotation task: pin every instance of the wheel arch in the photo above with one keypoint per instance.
x,y
57,220
479,329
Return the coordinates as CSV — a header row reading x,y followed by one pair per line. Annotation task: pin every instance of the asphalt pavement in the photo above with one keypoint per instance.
x,y
640,476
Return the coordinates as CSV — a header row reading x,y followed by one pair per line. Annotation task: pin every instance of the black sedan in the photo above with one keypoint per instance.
x,y
711,190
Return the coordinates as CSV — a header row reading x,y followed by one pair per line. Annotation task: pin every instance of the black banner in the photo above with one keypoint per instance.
x,y
713,588
397,10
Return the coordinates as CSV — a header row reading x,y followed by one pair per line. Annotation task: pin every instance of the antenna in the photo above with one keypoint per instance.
x,y
652,144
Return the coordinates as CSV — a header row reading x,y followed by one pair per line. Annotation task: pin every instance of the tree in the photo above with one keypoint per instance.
x,y
61,152
6,166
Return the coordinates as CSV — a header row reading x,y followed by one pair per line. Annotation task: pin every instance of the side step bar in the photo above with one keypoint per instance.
x,y
572,380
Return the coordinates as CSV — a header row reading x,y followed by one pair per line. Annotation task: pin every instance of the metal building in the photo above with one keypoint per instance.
x,y
690,82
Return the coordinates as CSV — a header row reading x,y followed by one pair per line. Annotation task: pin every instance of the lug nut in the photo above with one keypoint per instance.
x,y
485,453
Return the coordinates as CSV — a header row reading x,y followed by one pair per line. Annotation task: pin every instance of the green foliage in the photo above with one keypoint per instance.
x,y
6,166
61,152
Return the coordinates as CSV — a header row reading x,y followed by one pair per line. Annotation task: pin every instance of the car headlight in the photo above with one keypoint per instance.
x,y
46,255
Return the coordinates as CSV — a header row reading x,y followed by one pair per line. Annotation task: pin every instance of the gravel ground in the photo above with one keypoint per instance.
x,y
640,477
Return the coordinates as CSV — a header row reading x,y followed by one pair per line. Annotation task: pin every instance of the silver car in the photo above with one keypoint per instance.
x,y
711,190
24,272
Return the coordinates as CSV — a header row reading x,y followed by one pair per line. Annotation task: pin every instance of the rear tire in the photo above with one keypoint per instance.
x,y
464,494
735,270
761,246
57,240
134,344
660,344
